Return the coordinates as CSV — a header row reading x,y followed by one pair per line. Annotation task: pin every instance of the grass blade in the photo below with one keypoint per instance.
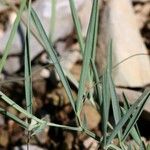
x,y
105,106
143,98
115,101
134,118
113,95
113,147
17,107
134,131
28,75
148,147
86,58
52,54
81,41
97,83
37,122
77,25
95,32
14,118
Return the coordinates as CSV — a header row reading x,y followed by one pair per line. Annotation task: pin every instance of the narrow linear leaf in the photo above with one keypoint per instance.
x,y
95,32
17,107
129,147
143,98
86,58
113,95
134,118
39,129
113,147
77,25
134,131
28,74
84,122
13,117
81,41
52,54
148,147
37,121
97,83
115,101
91,134
105,106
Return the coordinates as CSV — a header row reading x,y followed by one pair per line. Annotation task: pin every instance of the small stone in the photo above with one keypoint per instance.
x,y
45,73
84,15
15,131
69,138
90,144
4,138
60,47
12,110
43,58
31,147
2,121
76,70
12,65
69,58
122,28
54,98
92,116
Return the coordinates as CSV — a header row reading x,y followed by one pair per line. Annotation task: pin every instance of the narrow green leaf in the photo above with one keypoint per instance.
x,y
84,122
113,147
95,33
142,99
109,57
86,58
34,119
134,131
115,101
39,129
12,35
77,25
115,104
148,147
114,98
52,54
91,134
17,107
14,118
71,78
97,83
134,118
129,147
81,41
105,105
28,74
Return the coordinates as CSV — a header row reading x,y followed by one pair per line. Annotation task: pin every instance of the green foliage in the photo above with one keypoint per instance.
x,y
125,117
